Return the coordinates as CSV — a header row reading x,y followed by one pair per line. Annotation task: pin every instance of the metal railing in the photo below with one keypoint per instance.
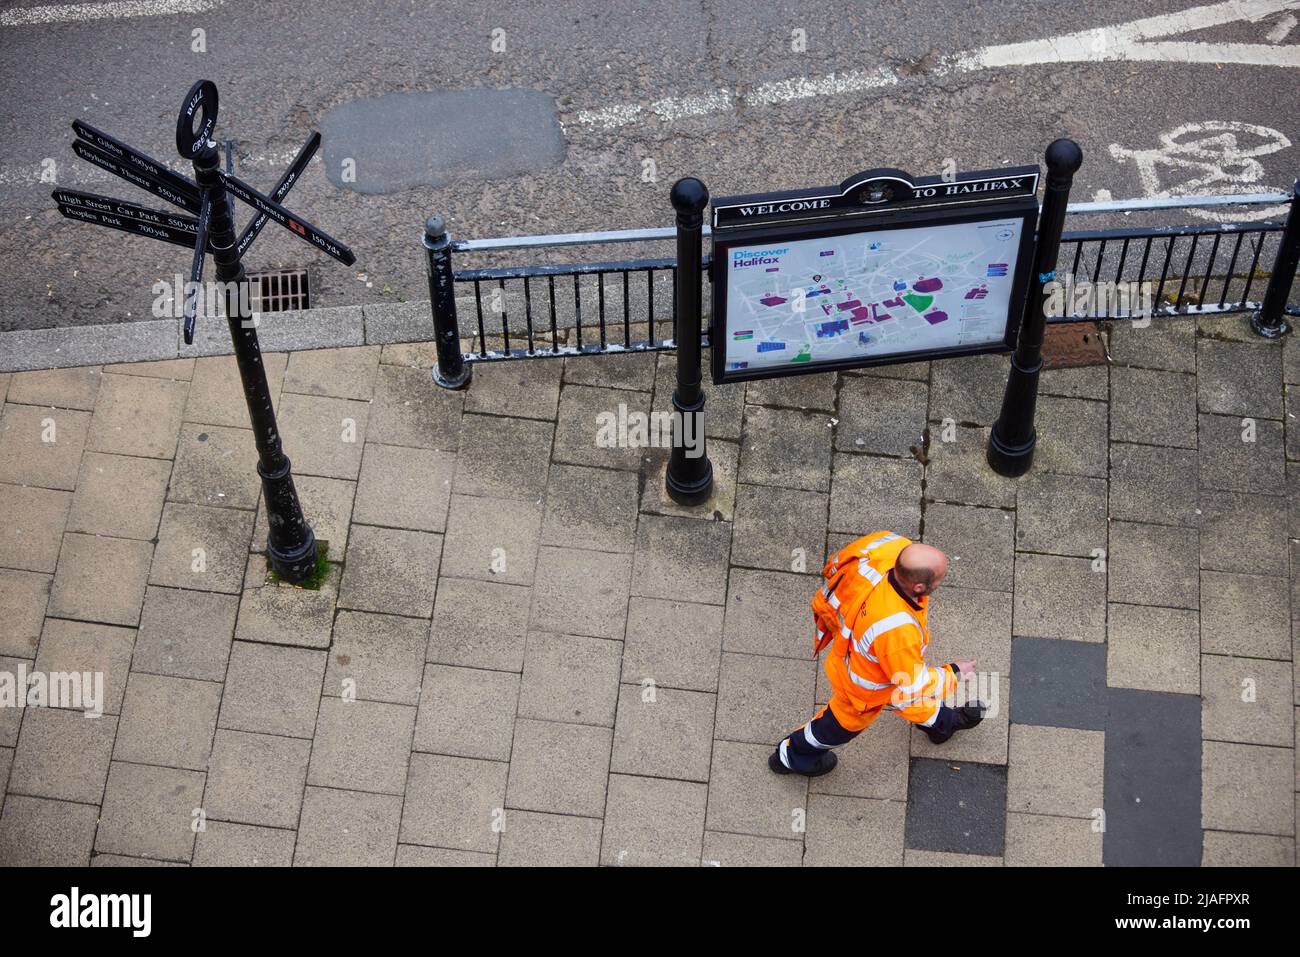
x,y
580,308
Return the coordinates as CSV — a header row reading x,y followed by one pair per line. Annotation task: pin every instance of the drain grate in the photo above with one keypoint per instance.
x,y
284,290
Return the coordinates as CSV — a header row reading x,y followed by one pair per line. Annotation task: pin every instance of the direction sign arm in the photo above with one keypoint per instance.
x,y
291,176
196,268
289,220
137,177
135,158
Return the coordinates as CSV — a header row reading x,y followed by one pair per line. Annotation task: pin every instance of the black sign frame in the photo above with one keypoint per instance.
x,y
842,211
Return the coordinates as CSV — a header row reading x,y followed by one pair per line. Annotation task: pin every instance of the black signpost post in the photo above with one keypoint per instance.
x,y
291,543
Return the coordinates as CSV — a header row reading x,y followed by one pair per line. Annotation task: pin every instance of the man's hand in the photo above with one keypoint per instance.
x,y
965,667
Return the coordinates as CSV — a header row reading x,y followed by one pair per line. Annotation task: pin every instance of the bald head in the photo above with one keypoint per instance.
x,y
921,568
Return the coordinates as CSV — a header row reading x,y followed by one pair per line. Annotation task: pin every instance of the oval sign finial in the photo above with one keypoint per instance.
x,y
198,118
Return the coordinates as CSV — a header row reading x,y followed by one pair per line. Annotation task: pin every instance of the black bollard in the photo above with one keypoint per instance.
x,y
689,477
1011,443
452,371
1270,320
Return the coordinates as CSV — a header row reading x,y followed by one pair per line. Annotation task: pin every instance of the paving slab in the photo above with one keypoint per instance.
x,y
454,802
1169,343
1248,700
1059,684
531,839
241,845
342,373
786,448
327,505
1239,378
881,416
868,492
215,466
745,797
413,855
1241,454
277,613
681,557
376,657
1055,771
527,389
606,428
1152,779
663,732
986,744
23,597
720,506
1059,597
560,768
35,832
1230,598
629,370
744,850
1060,515
149,811
590,508
873,765
956,807
41,446
168,721
968,391
1038,840
1153,484
579,592
1247,787
256,778
467,712
653,822
1072,436
347,828
570,678
361,745
409,409
1154,564
62,755
1154,649
673,644
391,570
780,529
1226,849
1243,532
492,540
216,395
272,690
957,469
75,646
761,699
980,544
186,634
119,495
769,613
31,537
202,548
135,415
58,388
479,624
100,579
816,391
325,436
971,623
847,831
498,457
1153,408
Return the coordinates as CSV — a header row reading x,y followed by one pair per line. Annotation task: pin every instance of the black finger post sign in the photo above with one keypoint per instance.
x,y
210,229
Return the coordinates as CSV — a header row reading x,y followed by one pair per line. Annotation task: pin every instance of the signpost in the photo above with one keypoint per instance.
x,y
883,268
291,543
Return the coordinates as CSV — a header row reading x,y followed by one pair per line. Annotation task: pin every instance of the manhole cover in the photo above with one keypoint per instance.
x,y
1069,344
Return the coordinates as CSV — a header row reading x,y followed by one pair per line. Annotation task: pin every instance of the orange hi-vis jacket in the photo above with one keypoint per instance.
x,y
877,636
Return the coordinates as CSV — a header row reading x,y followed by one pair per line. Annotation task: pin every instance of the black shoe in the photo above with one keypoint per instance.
x,y
952,720
826,762
969,715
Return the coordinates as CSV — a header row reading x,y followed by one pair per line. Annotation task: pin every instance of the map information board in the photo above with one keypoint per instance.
x,y
891,291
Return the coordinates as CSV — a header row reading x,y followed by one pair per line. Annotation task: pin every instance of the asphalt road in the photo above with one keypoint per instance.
x,y
553,140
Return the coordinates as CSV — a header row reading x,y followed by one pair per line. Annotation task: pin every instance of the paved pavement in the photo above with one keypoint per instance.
x,y
523,654
747,96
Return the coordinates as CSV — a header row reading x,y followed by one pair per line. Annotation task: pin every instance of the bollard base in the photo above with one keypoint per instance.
x,y
458,382
1267,331
295,566
690,490
1010,461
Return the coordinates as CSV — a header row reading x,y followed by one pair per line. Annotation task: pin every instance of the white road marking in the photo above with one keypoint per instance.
x,y
1123,42
78,12
1216,159
1281,29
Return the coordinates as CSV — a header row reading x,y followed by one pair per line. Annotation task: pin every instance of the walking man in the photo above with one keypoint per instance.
x,y
872,612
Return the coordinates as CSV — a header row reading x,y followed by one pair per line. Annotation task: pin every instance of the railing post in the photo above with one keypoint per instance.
x,y
689,477
1270,320
451,372
1011,443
